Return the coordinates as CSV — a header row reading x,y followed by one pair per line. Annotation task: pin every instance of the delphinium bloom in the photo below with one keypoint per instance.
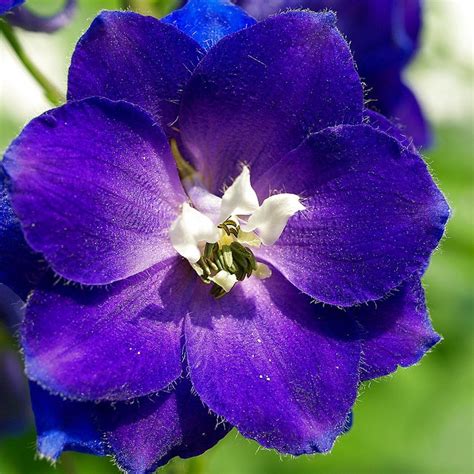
x,y
384,36
239,243
18,15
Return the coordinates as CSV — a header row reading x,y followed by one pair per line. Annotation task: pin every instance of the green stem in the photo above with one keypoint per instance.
x,y
125,4
50,91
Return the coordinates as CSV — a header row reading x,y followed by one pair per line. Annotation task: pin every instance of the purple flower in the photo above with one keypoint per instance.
x,y
15,407
199,281
20,16
384,36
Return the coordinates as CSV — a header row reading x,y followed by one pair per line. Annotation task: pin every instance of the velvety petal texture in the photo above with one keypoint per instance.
x,y
396,332
243,103
20,268
64,425
282,370
127,56
6,5
96,189
148,433
207,21
373,215
115,343
28,20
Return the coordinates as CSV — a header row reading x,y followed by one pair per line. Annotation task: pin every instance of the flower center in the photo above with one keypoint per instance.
x,y
217,241
227,261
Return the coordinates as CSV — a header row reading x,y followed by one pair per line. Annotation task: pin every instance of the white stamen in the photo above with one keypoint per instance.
x,y
240,198
272,216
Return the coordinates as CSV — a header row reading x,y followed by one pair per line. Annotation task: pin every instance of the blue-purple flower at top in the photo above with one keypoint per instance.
x,y
7,5
384,36
19,15
200,284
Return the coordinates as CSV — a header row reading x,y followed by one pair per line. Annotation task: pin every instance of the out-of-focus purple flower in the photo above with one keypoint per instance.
x,y
15,407
384,36
196,304
21,16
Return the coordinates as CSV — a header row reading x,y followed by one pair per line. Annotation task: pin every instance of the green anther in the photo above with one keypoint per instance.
x,y
212,265
252,261
209,250
230,227
221,260
227,254
205,267
241,261
218,264
240,275
217,291
240,249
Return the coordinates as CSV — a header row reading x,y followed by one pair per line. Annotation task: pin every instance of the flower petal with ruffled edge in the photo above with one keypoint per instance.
x,y
127,56
141,435
208,21
395,332
373,215
243,103
282,370
64,425
150,432
108,343
96,189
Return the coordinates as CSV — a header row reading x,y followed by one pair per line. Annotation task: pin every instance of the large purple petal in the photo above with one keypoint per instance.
x,y
28,20
20,268
113,343
244,104
395,332
373,217
149,432
207,21
126,56
96,189
282,370
64,425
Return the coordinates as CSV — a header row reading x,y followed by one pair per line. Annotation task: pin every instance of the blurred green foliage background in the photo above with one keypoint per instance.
x,y
420,420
